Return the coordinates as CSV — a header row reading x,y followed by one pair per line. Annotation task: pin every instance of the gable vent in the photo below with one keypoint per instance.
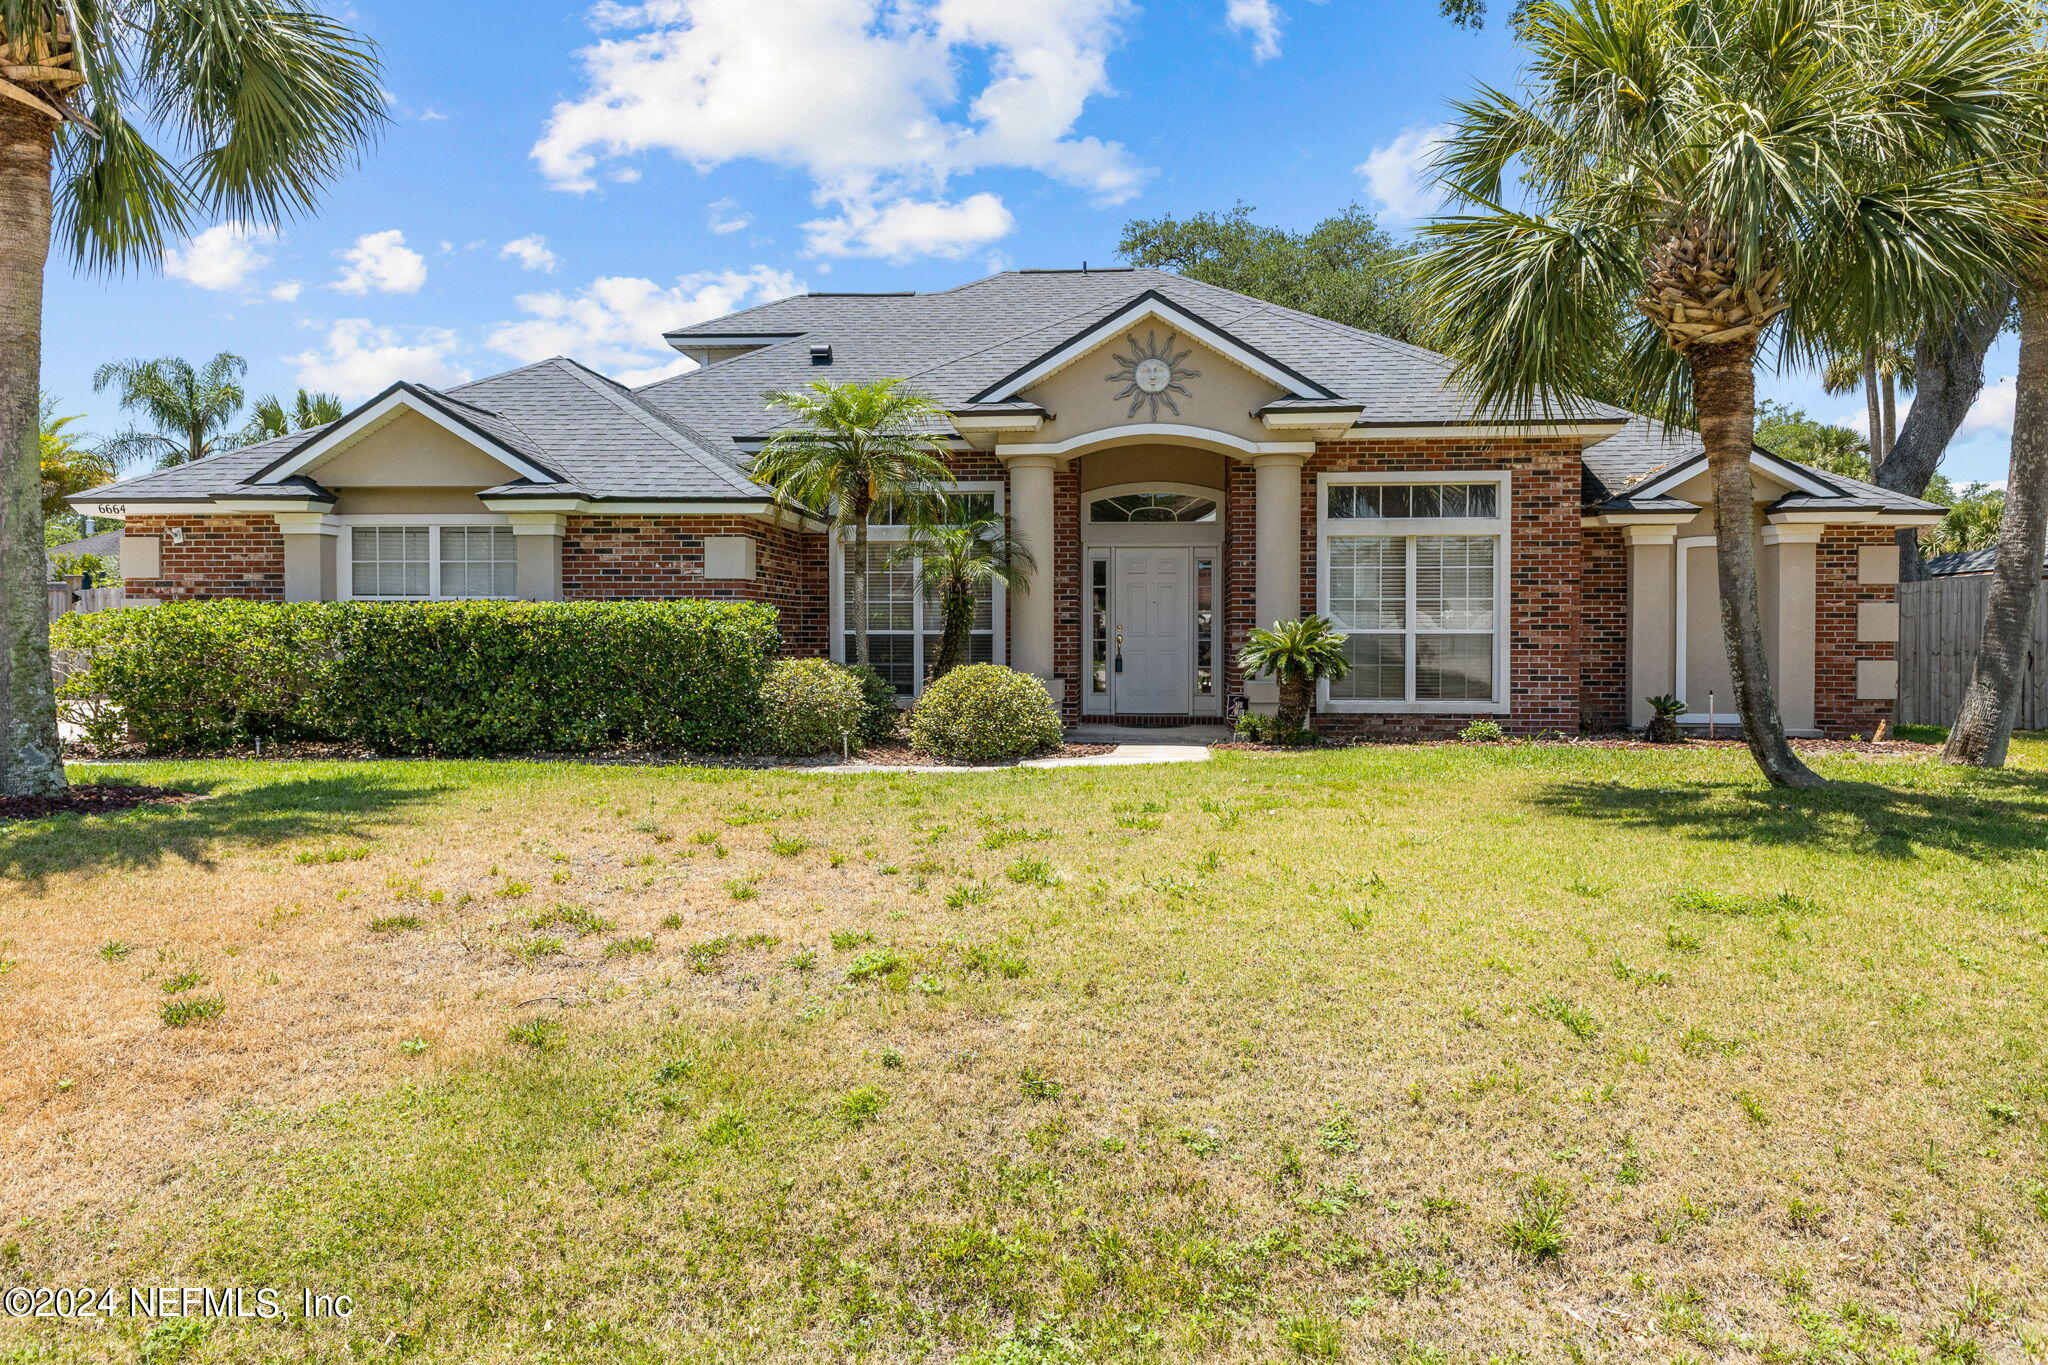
x,y
821,355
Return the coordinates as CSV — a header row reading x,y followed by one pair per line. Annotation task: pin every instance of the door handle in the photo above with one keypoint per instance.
x,y
1119,649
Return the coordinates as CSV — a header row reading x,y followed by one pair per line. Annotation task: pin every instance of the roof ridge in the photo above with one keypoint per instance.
x,y
693,442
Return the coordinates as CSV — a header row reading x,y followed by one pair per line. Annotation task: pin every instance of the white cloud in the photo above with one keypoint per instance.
x,y
1397,174
726,215
907,228
222,257
615,323
356,359
531,252
867,97
1260,21
1994,409
287,291
383,262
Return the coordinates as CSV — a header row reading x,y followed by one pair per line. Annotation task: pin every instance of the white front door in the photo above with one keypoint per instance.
x,y
1152,620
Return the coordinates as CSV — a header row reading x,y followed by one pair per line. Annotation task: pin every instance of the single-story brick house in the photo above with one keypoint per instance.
x,y
1185,462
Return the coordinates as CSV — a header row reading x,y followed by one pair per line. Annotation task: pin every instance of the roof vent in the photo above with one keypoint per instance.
x,y
821,355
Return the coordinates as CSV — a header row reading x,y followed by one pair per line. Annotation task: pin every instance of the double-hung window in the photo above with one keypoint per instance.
x,y
404,560
905,623
1414,574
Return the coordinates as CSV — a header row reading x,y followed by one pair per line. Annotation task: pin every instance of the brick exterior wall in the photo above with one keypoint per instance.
x,y
1544,573
662,557
1838,712
239,555
1603,639
1567,587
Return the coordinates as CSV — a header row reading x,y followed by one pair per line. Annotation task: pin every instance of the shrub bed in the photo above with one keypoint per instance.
x,y
984,713
458,678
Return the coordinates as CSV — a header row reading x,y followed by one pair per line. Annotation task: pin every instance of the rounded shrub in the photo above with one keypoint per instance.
x,y
982,713
878,697
808,705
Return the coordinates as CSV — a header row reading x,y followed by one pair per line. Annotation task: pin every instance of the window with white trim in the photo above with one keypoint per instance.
x,y
420,562
904,623
1414,576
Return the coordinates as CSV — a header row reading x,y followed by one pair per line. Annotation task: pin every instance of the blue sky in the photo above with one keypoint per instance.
x,y
569,179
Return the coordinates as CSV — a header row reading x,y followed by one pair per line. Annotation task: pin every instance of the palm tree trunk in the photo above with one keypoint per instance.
x,y
31,760
1873,407
1891,420
860,589
1293,701
1948,364
1724,389
959,609
1983,729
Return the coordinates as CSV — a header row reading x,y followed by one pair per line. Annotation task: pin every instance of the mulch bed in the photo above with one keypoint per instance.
x,y
898,754
1896,748
91,798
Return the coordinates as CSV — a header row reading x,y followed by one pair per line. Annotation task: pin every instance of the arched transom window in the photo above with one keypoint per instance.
x,y
1152,507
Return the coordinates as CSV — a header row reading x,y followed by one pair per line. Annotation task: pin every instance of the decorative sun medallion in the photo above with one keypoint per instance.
x,y
1151,374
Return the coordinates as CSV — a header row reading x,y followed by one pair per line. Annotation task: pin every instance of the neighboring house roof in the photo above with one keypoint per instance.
x,y
681,438
106,544
1967,561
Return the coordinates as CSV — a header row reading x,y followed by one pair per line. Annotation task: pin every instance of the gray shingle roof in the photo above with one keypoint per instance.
x,y
1967,561
596,435
676,438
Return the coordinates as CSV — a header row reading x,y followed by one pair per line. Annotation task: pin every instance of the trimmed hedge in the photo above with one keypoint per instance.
x,y
984,713
458,678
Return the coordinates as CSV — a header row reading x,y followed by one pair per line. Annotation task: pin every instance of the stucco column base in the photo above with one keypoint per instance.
x,y
311,571
1031,605
537,540
1652,616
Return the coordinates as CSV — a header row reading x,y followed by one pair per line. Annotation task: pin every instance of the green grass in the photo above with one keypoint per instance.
x,y
1445,1054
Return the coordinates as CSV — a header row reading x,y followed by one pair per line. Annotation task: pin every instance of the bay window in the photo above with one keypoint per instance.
x,y
1414,574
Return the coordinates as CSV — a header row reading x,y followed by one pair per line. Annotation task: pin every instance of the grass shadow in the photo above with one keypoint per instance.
x,y
244,817
1991,815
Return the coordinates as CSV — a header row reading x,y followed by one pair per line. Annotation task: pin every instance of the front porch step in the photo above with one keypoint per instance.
x,y
1198,732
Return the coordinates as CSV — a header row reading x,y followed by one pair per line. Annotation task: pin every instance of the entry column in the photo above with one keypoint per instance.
x,y
1031,606
1276,555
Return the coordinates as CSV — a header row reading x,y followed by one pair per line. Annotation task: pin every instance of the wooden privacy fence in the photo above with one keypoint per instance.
x,y
1940,623
65,599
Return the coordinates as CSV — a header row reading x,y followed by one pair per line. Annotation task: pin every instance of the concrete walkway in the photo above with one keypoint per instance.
x,y
1134,744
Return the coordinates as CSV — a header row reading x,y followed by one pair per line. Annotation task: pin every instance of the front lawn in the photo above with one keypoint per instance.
x,y
1437,1054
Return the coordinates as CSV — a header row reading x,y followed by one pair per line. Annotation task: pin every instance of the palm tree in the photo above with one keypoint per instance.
x,y
1881,369
189,408
1720,164
269,417
850,447
1972,520
66,464
1297,655
956,558
255,108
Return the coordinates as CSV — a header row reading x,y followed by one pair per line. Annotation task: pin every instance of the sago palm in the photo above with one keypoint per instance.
x,y
848,448
1297,655
124,123
1741,173
268,415
958,557
188,408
